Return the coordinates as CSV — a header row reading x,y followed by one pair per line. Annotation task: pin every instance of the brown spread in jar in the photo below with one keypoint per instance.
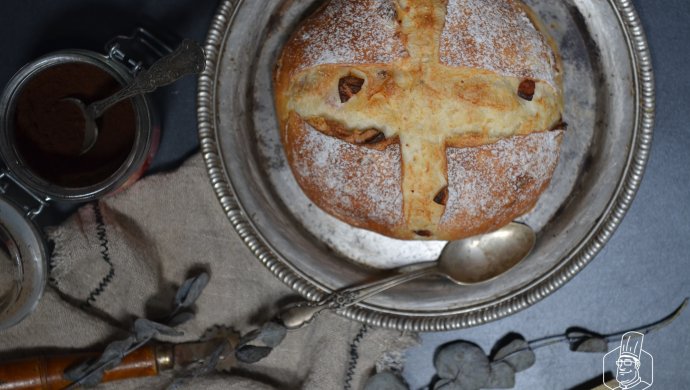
x,y
49,131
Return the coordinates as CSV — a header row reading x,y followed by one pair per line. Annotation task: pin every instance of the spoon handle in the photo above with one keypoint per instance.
x,y
186,59
297,316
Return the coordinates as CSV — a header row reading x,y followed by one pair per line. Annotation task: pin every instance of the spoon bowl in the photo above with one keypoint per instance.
x,y
90,126
485,257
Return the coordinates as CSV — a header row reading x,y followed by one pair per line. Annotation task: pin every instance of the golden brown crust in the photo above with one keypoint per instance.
x,y
358,185
389,128
500,37
490,185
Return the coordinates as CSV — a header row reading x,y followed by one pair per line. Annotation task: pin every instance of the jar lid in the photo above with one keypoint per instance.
x,y
23,264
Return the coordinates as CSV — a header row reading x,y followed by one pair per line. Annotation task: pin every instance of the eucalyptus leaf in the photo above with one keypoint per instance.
x,y
502,376
464,363
146,329
584,340
181,318
385,380
77,372
115,352
90,373
592,345
271,334
252,354
516,352
190,290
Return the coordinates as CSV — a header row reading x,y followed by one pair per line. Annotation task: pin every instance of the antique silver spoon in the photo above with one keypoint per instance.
x,y
188,58
469,261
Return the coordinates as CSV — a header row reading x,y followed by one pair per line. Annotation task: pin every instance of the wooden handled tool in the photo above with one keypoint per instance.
x,y
47,372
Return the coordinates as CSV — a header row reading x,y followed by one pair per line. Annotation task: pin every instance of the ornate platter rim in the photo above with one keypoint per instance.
x,y
644,96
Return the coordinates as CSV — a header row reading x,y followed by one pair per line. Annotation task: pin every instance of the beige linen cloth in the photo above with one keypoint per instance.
x,y
124,257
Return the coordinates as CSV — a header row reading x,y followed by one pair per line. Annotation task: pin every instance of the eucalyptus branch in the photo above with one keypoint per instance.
x,y
91,372
464,365
584,335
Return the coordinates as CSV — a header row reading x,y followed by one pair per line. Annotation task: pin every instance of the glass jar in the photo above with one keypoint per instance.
x,y
40,163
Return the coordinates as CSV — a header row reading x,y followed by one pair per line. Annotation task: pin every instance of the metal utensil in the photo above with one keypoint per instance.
x,y
188,58
469,261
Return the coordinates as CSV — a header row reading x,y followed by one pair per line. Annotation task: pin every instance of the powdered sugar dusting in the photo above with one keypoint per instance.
x,y
498,36
357,182
351,32
488,181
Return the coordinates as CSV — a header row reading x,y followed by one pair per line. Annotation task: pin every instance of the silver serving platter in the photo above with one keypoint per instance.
x,y
609,96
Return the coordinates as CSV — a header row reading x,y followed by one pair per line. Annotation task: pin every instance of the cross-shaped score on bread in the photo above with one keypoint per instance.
x,y
424,105
421,118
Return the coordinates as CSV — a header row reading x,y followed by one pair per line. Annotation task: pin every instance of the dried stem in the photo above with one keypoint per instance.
x,y
645,329
653,326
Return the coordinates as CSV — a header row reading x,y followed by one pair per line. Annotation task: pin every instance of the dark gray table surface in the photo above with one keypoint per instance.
x,y
640,276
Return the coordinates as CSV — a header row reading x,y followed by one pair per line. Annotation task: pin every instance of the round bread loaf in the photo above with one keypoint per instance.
x,y
421,119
